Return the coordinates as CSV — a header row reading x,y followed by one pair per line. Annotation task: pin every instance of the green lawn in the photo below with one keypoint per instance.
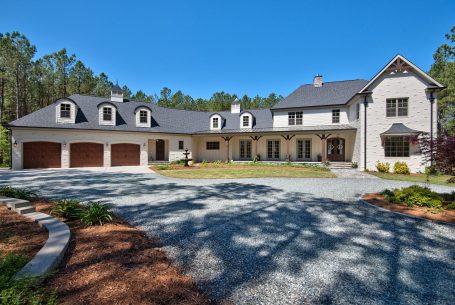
x,y
241,172
415,178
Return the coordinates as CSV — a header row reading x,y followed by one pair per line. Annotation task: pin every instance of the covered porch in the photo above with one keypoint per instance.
x,y
334,146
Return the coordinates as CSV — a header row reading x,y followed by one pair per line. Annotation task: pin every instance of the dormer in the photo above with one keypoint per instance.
x,y
107,113
216,121
116,94
65,111
246,120
143,116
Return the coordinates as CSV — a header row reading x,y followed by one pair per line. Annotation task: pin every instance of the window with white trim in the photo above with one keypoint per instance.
x,y
336,116
396,146
65,111
295,118
143,116
246,121
396,107
212,145
215,122
107,114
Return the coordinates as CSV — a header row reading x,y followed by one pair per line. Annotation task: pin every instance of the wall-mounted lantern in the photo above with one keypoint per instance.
x,y
15,143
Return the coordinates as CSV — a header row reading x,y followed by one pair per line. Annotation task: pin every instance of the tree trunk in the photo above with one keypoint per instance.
x,y
2,96
17,93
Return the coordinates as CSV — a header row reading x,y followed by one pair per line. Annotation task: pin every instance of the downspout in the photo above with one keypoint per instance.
x,y
431,127
365,103
10,132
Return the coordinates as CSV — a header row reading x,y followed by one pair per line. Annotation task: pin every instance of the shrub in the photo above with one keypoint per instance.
x,y
414,196
68,208
204,162
383,167
354,165
9,265
18,193
163,167
451,206
451,180
401,168
96,213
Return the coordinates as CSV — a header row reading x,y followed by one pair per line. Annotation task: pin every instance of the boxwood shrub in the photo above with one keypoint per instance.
x,y
414,196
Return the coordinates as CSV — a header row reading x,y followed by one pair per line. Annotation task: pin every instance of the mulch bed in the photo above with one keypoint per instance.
x,y
199,166
118,264
19,234
444,215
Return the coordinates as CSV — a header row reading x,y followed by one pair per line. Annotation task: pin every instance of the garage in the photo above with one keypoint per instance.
x,y
125,154
86,154
42,155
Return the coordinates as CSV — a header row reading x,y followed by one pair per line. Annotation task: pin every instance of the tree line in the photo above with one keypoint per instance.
x,y
28,83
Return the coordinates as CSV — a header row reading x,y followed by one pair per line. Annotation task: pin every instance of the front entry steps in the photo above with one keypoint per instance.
x,y
342,165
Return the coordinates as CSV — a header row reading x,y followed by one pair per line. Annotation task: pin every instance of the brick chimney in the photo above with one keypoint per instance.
x,y
317,80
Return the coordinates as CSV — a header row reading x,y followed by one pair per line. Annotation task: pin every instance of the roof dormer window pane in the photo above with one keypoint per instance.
x,y
143,116
107,114
65,111
215,122
246,121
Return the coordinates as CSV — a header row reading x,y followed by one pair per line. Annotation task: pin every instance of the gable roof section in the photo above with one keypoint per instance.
x,y
399,57
331,93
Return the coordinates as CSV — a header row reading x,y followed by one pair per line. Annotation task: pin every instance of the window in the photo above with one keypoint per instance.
x,y
181,144
397,107
143,116
336,116
215,123
245,149
357,109
304,149
213,145
65,111
396,146
273,149
295,118
246,121
107,114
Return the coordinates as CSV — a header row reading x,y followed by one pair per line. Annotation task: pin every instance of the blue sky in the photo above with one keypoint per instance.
x,y
242,47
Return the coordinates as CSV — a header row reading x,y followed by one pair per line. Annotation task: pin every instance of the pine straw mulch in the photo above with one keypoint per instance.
x,y
445,215
118,264
19,234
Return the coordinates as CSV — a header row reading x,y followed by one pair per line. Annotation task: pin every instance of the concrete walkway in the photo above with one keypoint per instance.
x,y
276,240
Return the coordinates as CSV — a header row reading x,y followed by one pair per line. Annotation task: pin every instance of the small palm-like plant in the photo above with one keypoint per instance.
x,y
96,213
68,208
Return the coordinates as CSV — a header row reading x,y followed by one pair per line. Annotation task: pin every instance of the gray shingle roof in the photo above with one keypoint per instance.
x,y
164,120
331,93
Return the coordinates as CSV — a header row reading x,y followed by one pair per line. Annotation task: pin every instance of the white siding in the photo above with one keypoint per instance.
x,y
312,117
393,86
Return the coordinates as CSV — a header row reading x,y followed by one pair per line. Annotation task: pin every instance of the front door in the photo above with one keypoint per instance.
x,y
245,150
159,150
335,149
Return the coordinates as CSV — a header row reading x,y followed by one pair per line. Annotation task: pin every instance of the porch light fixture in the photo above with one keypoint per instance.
x,y
64,144
144,144
15,144
107,144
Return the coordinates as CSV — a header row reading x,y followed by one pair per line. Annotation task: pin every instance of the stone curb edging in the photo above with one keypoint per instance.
x,y
403,214
51,254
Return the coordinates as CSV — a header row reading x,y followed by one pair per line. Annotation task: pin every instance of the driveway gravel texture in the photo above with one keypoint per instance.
x,y
275,240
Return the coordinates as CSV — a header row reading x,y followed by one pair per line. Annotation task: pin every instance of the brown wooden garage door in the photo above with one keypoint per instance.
x,y
42,155
125,154
86,154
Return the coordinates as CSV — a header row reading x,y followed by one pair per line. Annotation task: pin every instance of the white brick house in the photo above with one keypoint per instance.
x,y
347,121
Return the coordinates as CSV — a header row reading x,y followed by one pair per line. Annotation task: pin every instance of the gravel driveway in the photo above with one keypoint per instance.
x,y
276,240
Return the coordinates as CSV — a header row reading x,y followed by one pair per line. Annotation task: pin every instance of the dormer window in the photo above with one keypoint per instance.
x,y
246,121
107,114
215,122
143,117
65,111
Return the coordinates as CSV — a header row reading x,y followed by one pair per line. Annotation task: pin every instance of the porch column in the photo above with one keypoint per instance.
x,y
226,140
288,139
324,138
255,140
